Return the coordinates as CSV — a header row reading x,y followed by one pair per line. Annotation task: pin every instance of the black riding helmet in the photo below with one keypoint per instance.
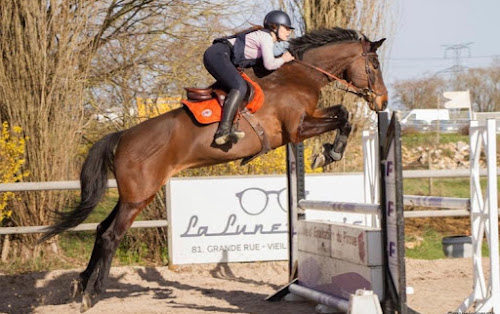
x,y
277,17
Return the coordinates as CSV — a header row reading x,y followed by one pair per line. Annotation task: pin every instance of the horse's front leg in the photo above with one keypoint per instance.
x,y
333,152
336,150
324,120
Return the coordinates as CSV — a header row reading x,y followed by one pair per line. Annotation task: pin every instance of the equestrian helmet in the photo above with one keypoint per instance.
x,y
277,17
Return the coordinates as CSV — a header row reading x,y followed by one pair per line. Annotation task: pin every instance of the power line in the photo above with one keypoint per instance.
x,y
439,58
456,52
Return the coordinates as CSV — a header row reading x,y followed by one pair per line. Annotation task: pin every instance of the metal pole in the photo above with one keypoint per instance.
x,y
319,297
296,192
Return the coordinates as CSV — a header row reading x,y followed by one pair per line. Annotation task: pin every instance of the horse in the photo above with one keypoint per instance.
x,y
145,156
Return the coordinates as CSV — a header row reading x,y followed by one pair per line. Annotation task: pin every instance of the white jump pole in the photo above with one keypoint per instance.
x,y
344,207
436,201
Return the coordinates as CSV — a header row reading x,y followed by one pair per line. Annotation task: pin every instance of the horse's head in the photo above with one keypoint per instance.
x,y
365,73
346,53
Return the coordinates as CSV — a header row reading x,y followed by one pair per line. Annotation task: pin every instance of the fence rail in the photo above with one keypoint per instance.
x,y
63,185
82,227
75,185
46,186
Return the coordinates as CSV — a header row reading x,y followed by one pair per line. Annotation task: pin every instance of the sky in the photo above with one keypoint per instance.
x,y
424,27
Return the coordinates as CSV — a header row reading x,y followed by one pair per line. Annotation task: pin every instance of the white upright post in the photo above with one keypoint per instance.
x,y
371,174
492,233
484,220
168,208
370,167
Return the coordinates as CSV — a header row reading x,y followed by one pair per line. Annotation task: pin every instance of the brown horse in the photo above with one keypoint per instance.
x,y
145,156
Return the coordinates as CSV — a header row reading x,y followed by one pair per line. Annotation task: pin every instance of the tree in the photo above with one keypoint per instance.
x,y
51,66
484,87
483,84
418,93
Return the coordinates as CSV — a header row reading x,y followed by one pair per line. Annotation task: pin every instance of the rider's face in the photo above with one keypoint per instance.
x,y
284,32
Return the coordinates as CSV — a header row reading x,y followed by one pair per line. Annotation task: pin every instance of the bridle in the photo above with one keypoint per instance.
x,y
361,92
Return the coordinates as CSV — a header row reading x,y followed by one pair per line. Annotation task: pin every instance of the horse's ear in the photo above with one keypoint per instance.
x,y
375,45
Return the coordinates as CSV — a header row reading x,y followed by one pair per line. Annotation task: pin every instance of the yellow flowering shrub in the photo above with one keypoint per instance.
x,y
12,147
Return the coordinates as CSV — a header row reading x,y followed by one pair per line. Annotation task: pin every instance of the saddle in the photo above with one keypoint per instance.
x,y
206,106
206,103
214,91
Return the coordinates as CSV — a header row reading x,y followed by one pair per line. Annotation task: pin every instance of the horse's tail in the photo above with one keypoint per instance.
x,y
93,180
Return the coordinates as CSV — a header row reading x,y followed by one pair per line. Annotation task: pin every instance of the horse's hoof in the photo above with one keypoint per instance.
x,y
335,156
86,303
318,161
76,288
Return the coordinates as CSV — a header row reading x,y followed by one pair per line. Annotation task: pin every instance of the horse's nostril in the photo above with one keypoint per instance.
x,y
384,104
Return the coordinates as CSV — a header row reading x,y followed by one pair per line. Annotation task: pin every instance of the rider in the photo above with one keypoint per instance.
x,y
243,50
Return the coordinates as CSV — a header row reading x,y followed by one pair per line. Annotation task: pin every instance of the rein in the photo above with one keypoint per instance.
x,y
330,75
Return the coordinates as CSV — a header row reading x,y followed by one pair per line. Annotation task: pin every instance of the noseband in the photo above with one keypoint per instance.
x,y
369,92
361,92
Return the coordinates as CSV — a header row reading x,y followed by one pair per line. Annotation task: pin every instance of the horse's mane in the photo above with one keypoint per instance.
x,y
323,36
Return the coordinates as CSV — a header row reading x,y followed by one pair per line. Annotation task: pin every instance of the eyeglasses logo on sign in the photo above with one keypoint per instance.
x,y
253,202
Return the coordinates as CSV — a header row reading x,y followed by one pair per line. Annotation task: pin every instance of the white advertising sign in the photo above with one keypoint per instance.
x,y
236,219
457,100
226,220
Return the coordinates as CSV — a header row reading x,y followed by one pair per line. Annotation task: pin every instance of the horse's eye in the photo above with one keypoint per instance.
x,y
376,65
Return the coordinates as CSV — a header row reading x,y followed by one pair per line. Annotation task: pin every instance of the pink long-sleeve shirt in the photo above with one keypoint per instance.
x,y
260,44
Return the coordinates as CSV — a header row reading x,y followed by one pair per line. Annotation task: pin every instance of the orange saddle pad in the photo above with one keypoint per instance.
x,y
210,111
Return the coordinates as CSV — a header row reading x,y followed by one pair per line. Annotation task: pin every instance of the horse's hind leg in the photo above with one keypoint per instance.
x,y
79,286
109,236
109,241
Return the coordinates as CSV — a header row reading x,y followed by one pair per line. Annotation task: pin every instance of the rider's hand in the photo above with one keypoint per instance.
x,y
287,57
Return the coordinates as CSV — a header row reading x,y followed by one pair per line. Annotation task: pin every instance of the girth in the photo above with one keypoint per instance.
x,y
261,133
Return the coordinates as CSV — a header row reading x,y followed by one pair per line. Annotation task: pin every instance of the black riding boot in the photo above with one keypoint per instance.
x,y
226,131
